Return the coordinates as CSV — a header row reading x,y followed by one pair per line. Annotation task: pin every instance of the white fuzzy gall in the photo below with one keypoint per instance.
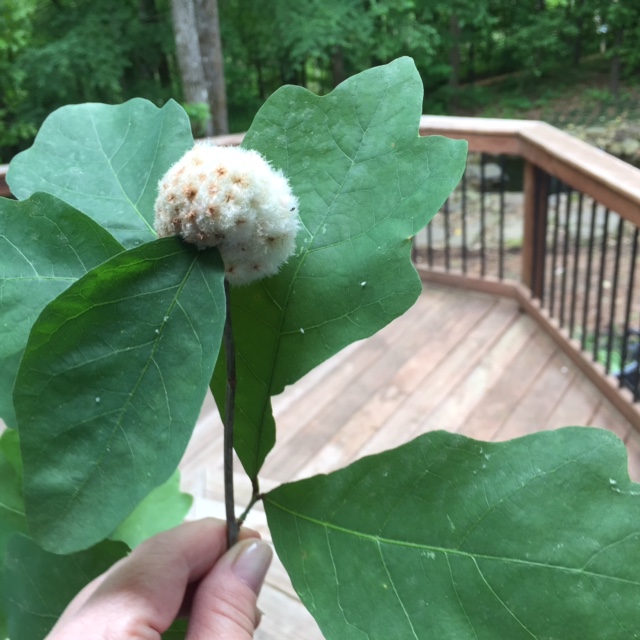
x,y
230,198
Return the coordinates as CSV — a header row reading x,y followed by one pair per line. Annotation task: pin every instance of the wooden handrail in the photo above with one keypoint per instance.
x,y
612,182
4,187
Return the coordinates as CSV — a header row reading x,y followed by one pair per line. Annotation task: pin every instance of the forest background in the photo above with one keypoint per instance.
x,y
571,62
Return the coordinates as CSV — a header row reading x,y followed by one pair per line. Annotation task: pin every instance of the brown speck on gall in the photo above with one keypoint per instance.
x,y
190,191
240,181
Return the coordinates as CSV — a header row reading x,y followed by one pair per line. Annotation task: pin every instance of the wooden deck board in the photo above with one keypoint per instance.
x,y
406,422
371,416
508,391
534,410
378,390
460,361
452,412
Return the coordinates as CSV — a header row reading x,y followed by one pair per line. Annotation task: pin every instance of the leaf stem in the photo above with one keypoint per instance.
x,y
254,498
233,526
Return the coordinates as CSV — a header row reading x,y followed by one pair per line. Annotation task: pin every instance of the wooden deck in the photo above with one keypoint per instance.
x,y
461,361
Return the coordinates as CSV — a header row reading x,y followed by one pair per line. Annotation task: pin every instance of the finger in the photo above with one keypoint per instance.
x,y
149,585
81,599
192,587
225,604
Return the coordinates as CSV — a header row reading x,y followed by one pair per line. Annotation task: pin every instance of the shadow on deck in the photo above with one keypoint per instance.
x,y
460,361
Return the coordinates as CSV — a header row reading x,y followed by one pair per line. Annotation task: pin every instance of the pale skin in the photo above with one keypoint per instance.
x,y
186,570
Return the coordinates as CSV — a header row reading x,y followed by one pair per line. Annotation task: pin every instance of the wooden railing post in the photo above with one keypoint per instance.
x,y
536,198
4,187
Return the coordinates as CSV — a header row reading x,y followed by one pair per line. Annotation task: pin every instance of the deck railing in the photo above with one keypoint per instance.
x,y
4,188
551,221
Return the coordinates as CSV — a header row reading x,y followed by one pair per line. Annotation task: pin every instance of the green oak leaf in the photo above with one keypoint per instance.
x,y
366,184
8,370
45,245
177,631
10,452
110,387
448,537
165,507
12,518
38,585
106,160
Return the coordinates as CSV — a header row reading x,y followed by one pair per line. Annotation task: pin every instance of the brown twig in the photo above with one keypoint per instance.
x,y
233,526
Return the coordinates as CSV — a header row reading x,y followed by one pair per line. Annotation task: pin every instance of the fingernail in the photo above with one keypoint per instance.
x,y
252,562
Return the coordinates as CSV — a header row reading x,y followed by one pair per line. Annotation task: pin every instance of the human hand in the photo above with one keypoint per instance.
x,y
183,570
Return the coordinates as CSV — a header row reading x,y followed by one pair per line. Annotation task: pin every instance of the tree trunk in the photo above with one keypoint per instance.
x,y
262,90
577,43
454,58
471,75
194,87
616,65
338,74
213,62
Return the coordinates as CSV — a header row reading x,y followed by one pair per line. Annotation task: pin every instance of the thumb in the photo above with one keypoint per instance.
x,y
224,606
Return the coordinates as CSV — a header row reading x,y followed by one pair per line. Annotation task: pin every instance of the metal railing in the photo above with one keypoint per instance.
x,y
474,233
555,223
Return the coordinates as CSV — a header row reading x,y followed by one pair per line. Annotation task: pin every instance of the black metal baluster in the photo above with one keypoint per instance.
x,y
603,258
627,316
464,222
614,295
501,231
536,249
447,252
482,217
585,310
565,256
576,261
556,226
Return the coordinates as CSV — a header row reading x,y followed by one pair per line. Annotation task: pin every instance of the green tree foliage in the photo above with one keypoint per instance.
x,y
69,51
15,33
621,27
